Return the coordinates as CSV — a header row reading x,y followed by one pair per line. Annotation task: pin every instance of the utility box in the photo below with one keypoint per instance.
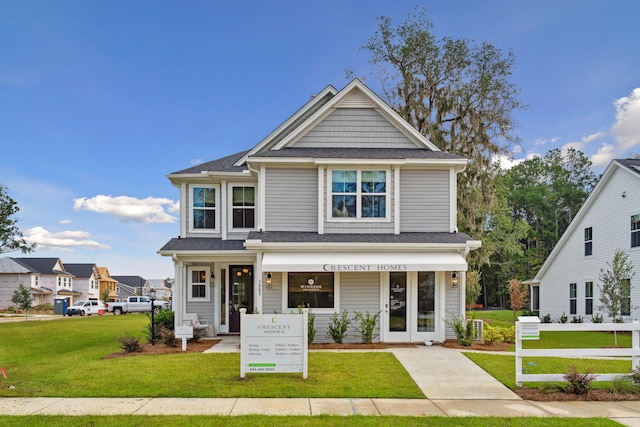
x,y
60,306
478,325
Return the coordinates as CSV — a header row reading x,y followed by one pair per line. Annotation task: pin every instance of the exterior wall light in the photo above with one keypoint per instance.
x,y
454,280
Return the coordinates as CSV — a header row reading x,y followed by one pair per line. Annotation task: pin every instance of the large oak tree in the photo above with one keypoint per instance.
x,y
10,235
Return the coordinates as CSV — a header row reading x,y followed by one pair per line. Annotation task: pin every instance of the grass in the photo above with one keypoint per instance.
x,y
64,358
494,317
502,367
320,420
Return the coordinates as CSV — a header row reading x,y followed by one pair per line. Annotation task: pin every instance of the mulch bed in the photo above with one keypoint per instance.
x,y
159,349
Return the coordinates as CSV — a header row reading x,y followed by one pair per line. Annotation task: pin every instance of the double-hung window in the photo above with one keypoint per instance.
x,y
588,241
573,298
625,306
358,193
243,206
588,298
204,208
635,231
198,285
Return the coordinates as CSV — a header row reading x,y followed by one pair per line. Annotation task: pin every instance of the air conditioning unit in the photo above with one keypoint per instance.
x,y
477,329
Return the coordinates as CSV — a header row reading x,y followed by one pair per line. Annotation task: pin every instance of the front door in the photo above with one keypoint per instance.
x,y
397,309
240,293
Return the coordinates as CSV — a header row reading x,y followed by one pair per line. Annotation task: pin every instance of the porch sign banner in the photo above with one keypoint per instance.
x,y
274,343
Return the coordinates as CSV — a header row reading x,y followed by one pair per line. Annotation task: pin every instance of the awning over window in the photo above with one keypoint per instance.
x,y
362,262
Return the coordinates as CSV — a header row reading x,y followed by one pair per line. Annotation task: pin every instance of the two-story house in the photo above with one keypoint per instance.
x,y
344,206
129,286
567,283
86,280
47,278
108,285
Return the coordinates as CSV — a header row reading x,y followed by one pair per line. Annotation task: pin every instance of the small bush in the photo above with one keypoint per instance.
x,y
311,327
597,318
165,318
577,319
578,383
563,318
491,335
463,329
130,344
168,337
547,318
624,385
196,336
367,326
338,327
43,307
634,376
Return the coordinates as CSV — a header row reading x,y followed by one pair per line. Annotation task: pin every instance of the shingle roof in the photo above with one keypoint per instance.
x,y
80,270
9,265
631,164
40,265
224,164
135,281
309,237
359,153
202,244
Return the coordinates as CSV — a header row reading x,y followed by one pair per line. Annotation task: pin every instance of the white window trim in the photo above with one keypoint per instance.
x,y
336,296
207,286
631,232
358,194
191,208
230,187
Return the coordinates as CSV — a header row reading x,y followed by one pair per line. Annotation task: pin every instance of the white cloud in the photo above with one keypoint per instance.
x,y
64,241
590,138
149,210
605,154
545,141
64,222
627,126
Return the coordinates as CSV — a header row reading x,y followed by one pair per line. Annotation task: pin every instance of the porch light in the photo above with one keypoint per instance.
x,y
454,280
269,278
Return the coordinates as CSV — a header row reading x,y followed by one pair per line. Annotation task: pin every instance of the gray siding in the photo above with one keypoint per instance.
x,y
355,128
291,202
204,311
360,292
452,307
424,201
272,298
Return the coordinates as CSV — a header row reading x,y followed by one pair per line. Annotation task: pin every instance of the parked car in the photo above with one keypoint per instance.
x,y
135,305
87,307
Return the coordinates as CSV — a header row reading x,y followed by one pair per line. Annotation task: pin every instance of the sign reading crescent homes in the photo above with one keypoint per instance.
x,y
273,343
365,267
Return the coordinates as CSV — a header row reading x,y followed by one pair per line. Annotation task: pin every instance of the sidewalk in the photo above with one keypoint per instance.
x,y
453,385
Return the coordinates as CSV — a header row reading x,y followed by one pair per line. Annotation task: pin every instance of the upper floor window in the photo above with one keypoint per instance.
x,y
243,205
204,208
588,241
358,194
635,231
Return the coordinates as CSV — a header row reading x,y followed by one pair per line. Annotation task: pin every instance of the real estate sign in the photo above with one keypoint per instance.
x,y
529,327
273,343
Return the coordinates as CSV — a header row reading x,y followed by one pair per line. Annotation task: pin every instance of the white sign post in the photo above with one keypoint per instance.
x,y
274,343
184,332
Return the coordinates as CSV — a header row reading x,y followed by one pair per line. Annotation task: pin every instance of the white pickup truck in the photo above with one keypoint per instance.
x,y
135,305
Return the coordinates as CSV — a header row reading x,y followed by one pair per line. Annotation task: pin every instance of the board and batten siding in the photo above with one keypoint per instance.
x,y
291,200
609,216
424,201
354,128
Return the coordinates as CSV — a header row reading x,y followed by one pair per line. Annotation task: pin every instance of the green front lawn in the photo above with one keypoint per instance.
x,y
65,358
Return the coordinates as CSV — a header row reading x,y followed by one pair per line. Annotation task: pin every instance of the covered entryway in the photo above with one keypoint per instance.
x,y
240,294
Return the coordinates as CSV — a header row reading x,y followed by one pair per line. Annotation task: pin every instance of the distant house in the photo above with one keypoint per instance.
x,y
567,282
344,206
47,278
86,280
107,285
163,291
133,285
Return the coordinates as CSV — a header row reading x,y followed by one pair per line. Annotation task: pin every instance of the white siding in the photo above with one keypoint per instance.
x,y
610,218
424,201
355,128
291,202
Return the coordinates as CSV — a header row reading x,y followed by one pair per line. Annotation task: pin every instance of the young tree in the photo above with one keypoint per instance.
x,y
10,235
455,92
615,286
23,299
105,296
517,296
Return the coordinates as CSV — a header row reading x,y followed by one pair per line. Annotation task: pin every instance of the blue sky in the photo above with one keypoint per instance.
x,y
100,100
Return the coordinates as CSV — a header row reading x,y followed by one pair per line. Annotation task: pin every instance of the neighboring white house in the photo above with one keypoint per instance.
x,y
567,282
47,279
86,280
344,206
163,291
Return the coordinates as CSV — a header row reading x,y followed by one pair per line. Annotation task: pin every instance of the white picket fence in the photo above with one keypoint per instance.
x,y
633,352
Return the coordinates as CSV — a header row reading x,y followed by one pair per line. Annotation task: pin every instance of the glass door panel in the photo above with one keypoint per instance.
x,y
397,302
426,301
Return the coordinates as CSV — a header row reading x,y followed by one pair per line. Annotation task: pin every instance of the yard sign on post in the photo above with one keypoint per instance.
x,y
274,343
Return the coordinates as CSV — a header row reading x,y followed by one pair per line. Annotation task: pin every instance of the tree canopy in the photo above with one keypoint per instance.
x,y
10,235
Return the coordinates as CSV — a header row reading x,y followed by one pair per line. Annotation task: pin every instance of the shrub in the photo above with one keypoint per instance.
x,y
463,329
367,326
165,318
577,319
311,327
635,376
130,344
196,336
43,307
338,327
624,385
597,318
578,383
157,336
168,337
492,335
563,318
547,318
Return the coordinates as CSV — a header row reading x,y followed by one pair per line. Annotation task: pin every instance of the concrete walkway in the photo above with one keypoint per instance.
x,y
453,385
